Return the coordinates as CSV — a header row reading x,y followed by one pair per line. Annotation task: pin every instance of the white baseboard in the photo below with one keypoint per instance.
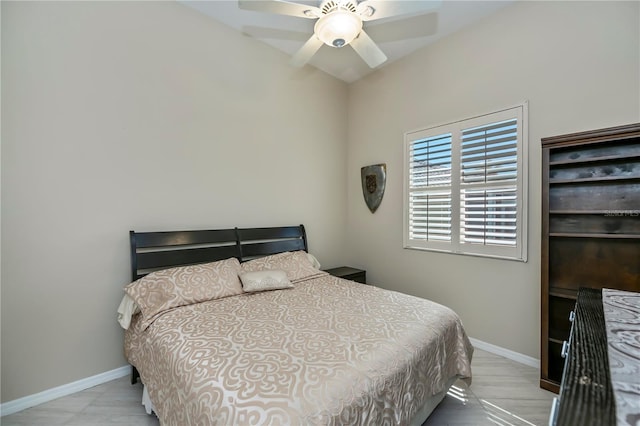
x,y
509,354
20,404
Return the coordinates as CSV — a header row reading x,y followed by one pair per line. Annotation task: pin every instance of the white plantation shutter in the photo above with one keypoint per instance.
x,y
431,216
489,153
488,216
489,170
430,188
465,186
431,161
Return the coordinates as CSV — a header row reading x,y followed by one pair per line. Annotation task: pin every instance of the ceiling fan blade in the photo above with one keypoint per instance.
x,y
305,53
368,50
402,29
281,8
276,34
378,9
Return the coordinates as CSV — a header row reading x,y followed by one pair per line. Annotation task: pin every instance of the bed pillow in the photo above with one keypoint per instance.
x,y
314,262
296,264
126,310
184,285
264,280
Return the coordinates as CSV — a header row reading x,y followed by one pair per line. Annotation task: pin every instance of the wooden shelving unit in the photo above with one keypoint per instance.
x,y
590,227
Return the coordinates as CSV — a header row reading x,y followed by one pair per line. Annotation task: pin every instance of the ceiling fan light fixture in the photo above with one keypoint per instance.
x,y
338,28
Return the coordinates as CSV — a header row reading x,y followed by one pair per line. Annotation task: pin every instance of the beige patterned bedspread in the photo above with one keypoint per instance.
x,y
329,351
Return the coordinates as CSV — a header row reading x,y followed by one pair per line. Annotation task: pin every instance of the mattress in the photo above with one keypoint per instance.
x,y
327,351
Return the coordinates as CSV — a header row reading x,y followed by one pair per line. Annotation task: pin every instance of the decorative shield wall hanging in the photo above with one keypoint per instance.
x,y
374,179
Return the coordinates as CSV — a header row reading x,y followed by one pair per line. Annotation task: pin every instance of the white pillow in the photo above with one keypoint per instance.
x,y
126,310
313,260
267,279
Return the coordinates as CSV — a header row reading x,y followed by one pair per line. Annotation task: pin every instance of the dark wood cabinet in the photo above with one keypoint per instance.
x,y
349,273
590,228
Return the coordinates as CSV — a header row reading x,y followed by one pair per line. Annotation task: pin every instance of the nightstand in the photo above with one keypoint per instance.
x,y
349,273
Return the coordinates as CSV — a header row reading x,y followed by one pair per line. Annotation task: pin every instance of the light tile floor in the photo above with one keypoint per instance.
x,y
503,392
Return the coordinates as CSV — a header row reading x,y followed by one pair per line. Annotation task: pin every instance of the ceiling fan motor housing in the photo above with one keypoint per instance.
x,y
339,23
329,6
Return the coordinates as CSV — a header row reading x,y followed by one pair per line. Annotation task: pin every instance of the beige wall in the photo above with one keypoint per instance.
x,y
145,116
577,63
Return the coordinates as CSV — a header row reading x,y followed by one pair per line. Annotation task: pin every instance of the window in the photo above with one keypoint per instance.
x,y
465,186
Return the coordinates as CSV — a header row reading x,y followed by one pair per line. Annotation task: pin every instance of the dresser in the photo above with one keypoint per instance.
x,y
601,378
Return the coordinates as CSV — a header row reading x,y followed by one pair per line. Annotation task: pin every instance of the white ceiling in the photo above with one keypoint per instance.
x,y
397,37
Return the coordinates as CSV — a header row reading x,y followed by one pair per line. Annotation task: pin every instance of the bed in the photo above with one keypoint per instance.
x,y
240,326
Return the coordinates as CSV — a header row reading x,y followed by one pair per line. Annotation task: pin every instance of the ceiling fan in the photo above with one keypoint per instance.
x,y
340,22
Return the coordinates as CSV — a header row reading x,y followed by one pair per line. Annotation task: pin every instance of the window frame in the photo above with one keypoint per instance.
x,y
517,252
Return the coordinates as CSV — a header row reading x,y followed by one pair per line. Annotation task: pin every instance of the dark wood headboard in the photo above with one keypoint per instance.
x,y
151,251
